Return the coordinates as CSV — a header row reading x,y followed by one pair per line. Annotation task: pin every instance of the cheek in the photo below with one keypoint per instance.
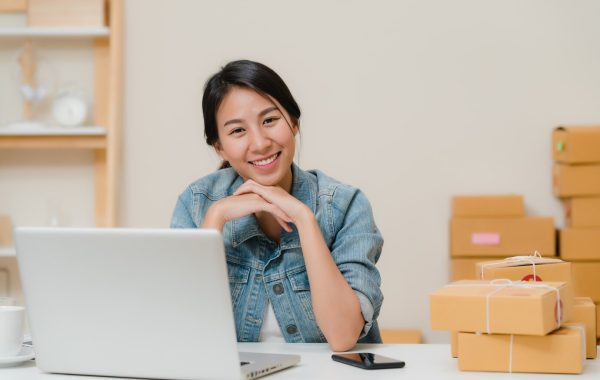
x,y
232,150
285,137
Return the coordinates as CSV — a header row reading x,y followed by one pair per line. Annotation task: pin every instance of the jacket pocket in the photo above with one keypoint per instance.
x,y
238,279
301,287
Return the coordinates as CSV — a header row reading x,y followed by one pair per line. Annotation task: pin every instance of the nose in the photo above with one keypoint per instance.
x,y
259,140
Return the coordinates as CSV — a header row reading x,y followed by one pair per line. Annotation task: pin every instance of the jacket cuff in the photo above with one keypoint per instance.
x,y
366,308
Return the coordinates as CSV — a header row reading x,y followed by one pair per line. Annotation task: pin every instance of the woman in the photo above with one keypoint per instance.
x,y
301,247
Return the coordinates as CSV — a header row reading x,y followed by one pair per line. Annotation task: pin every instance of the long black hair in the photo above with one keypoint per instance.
x,y
249,74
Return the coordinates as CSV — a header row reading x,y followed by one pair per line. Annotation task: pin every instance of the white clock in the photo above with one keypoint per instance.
x,y
69,109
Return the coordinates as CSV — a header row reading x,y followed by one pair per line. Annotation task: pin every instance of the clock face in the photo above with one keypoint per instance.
x,y
69,110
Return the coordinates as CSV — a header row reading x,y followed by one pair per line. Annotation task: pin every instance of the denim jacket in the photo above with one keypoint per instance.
x,y
261,270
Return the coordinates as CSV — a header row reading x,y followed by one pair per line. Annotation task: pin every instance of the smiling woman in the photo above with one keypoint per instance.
x,y
301,247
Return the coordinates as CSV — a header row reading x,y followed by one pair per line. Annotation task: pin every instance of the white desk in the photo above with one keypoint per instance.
x,y
423,361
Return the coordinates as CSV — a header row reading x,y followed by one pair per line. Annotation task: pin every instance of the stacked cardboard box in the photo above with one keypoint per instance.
x,y
488,227
576,181
540,269
511,326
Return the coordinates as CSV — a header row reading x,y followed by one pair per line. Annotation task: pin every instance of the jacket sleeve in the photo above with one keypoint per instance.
x,y
182,215
356,248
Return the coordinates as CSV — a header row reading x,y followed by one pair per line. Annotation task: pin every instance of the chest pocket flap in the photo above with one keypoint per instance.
x,y
299,281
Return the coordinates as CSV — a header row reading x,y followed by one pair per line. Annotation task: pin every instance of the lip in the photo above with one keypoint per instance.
x,y
270,164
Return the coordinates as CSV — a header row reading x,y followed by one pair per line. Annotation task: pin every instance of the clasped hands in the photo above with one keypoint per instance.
x,y
253,197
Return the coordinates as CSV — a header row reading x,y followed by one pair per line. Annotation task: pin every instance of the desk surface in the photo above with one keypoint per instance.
x,y
423,361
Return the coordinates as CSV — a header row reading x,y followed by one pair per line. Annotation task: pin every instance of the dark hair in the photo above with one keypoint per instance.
x,y
249,74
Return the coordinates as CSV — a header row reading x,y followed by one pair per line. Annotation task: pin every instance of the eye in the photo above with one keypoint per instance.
x,y
236,131
270,120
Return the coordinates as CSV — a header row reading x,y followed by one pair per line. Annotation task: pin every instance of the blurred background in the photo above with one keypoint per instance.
x,y
411,101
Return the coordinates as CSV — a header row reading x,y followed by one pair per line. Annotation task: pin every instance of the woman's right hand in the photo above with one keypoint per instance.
x,y
237,206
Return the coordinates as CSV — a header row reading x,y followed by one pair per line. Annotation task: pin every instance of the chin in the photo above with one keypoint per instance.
x,y
267,181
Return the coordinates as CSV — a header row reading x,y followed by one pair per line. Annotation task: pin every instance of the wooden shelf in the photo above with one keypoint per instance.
x,y
52,142
54,32
38,136
107,48
36,129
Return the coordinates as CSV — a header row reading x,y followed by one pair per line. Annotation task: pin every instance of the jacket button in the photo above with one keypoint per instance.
x,y
292,329
278,288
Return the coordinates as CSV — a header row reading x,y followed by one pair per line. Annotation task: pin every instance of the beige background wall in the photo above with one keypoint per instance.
x,y
412,101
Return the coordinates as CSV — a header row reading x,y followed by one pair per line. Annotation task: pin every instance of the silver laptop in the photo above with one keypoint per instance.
x,y
151,303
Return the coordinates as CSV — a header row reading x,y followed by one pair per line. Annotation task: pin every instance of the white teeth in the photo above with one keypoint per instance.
x,y
265,161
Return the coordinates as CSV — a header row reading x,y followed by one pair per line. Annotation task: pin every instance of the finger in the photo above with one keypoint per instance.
x,y
252,187
244,186
277,212
284,225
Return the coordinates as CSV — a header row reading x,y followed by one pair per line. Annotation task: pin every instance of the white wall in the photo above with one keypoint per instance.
x,y
412,101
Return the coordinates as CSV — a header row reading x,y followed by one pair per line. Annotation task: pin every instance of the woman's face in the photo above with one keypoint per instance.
x,y
256,138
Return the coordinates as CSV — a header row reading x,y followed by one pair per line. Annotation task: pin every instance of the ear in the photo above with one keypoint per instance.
x,y
219,149
295,129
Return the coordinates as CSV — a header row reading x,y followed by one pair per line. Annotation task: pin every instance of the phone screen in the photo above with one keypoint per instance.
x,y
369,360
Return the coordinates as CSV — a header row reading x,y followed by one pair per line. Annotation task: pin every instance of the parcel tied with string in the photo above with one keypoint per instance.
x,y
524,268
584,313
562,351
501,306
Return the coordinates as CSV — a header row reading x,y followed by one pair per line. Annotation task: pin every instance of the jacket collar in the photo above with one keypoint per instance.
x,y
304,188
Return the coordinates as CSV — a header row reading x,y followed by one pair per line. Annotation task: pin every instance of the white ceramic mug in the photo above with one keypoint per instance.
x,y
11,329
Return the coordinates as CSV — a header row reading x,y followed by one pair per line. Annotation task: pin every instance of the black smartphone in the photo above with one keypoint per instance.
x,y
367,360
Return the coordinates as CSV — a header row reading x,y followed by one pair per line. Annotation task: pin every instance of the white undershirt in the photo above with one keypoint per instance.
x,y
270,331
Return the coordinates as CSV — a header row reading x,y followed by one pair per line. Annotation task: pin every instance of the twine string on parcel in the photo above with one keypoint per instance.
x,y
531,259
498,285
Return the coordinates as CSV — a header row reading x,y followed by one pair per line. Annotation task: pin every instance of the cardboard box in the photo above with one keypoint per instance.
x,y
597,321
586,279
584,312
510,308
524,268
488,206
454,344
576,180
406,336
582,212
559,352
67,13
6,231
577,244
13,6
576,144
502,237
463,268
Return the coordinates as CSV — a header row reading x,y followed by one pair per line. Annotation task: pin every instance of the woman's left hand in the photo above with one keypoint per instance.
x,y
295,209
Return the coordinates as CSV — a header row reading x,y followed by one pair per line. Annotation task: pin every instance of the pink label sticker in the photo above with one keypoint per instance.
x,y
485,238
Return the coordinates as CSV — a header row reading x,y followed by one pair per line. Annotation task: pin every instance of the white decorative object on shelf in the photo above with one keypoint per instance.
x,y
69,108
36,78
39,129
42,32
7,251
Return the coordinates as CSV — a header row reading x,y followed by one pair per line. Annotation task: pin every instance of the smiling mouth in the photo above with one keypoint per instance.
x,y
266,161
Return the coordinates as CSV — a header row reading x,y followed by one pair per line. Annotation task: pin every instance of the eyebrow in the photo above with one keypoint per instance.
x,y
260,114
